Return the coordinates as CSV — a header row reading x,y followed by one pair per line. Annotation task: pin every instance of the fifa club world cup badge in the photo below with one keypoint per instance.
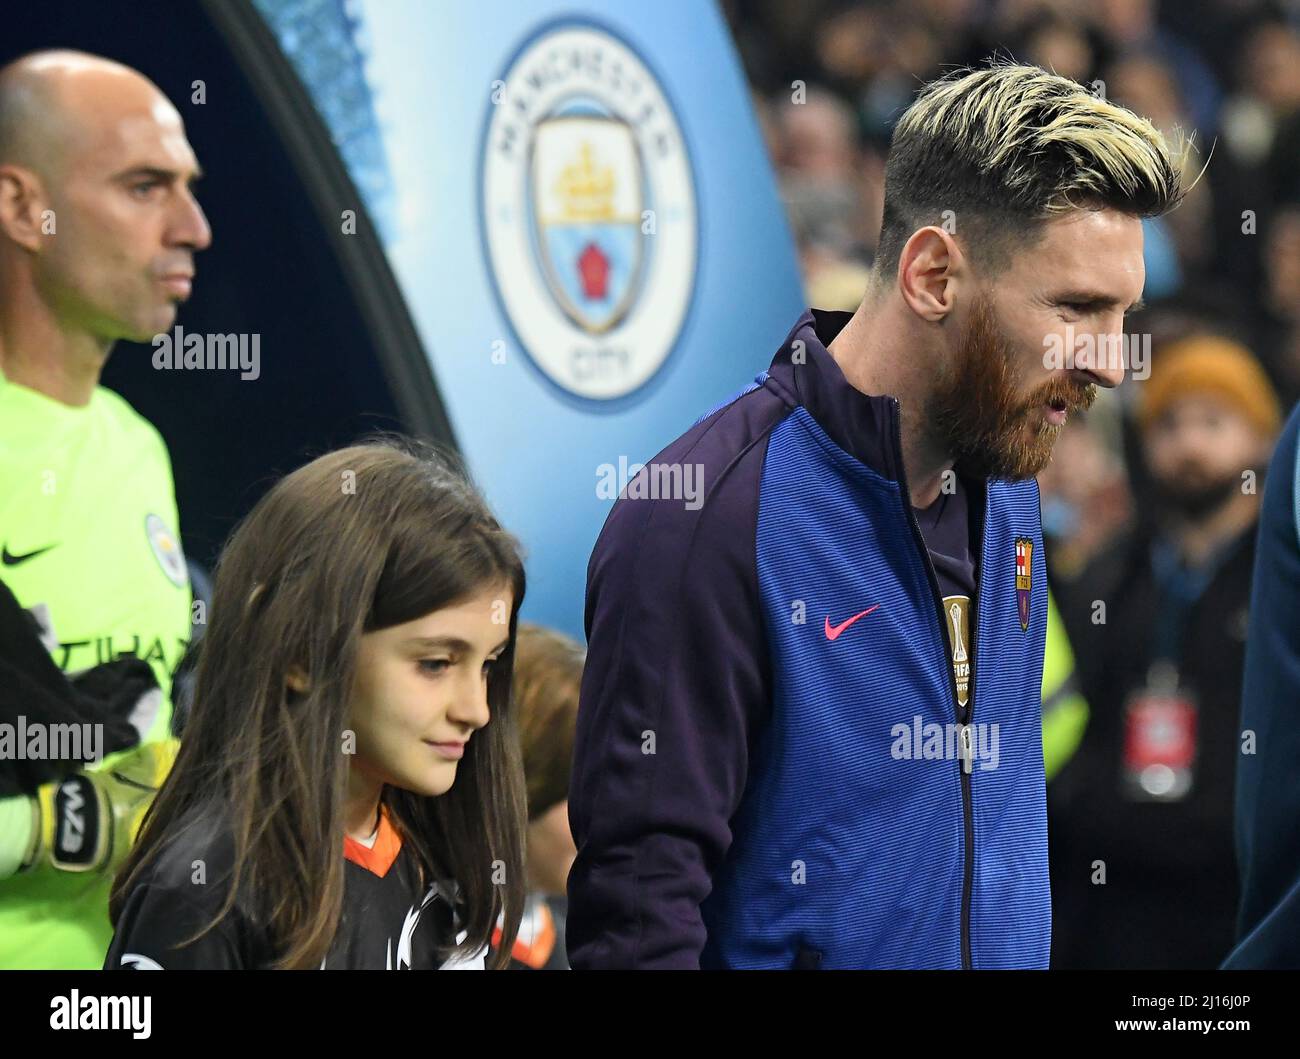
x,y
1024,578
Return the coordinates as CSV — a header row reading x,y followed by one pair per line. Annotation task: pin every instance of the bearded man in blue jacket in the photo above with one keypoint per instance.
x,y
809,732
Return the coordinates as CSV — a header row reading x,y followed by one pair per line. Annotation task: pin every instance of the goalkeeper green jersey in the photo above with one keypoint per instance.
x,y
88,531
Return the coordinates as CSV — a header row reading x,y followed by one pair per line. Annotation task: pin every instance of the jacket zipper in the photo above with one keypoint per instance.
x,y
963,716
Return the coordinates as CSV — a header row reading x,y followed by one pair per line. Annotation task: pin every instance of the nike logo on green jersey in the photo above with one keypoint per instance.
x,y
9,559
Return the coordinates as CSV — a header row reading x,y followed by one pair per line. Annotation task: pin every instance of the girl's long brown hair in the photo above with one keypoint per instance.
x,y
361,539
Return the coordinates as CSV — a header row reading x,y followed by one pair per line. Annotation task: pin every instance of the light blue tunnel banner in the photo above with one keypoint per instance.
x,y
579,210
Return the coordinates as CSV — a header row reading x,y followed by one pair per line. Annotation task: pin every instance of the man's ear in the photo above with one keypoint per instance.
x,y
930,269
22,207
297,680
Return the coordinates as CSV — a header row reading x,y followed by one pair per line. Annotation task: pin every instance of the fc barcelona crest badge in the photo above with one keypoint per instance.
x,y
1024,578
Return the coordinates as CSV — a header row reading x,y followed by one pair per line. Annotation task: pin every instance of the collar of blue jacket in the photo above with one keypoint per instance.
x,y
861,424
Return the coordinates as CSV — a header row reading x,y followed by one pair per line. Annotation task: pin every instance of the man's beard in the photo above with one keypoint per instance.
x,y
979,416
1196,496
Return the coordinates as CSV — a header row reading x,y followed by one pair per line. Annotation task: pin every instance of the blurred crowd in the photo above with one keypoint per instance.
x,y
1150,505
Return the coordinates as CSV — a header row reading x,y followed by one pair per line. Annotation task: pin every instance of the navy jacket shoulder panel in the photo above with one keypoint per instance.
x,y
675,686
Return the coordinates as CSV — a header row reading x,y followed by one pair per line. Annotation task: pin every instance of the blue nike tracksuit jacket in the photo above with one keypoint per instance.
x,y
742,793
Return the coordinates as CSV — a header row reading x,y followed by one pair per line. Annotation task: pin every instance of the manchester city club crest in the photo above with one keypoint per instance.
x,y
167,550
586,184
589,214
1024,578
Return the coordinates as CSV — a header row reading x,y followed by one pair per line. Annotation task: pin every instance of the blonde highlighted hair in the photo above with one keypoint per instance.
x,y
1009,146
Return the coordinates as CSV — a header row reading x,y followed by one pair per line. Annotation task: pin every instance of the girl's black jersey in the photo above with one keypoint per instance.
x,y
390,920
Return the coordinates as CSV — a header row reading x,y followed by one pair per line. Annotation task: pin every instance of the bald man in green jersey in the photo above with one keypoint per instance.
x,y
98,231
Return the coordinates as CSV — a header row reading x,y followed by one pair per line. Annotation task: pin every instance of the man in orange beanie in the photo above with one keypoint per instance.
x,y
1142,820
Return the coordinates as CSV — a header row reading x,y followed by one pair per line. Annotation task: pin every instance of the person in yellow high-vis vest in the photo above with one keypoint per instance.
x,y
1065,711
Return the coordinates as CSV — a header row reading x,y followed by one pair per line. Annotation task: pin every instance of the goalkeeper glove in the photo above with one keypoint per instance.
x,y
88,821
